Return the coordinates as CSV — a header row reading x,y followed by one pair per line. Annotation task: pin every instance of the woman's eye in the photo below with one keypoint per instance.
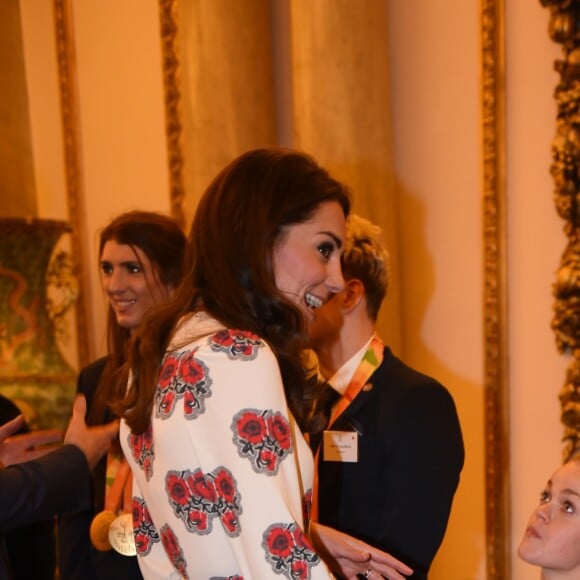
x,y
326,249
134,268
544,496
106,268
568,507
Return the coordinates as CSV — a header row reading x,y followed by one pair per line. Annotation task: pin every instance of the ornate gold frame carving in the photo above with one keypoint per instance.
x,y
173,125
564,29
67,76
495,291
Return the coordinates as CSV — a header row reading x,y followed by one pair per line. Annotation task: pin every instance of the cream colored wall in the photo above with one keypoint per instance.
x,y
44,107
122,119
435,92
535,243
436,115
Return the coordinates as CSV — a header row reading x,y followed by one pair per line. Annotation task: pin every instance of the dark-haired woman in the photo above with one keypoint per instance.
x,y
141,263
219,393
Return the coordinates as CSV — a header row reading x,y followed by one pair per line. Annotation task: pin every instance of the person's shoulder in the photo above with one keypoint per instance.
x,y
93,370
241,345
409,380
393,365
96,367
202,334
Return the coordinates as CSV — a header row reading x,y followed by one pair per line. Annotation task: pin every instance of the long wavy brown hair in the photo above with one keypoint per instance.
x,y
229,273
160,238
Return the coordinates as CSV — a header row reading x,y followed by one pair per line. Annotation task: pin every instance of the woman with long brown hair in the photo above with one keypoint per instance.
x,y
218,389
141,263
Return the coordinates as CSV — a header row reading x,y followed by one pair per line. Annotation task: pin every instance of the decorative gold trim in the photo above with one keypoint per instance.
x,y
173,125
564,29
495,292
67,73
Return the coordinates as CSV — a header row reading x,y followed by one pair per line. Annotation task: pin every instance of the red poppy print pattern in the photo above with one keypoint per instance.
x,y
182,377
198,498
142,450
144,531
173,550
237,344
221,463
289,551
264,437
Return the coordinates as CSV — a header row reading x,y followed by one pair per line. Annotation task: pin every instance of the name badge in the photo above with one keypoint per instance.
x,y
340,446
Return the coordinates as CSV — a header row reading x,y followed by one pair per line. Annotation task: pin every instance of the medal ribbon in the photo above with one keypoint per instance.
x,y
118,491
370,362
119,482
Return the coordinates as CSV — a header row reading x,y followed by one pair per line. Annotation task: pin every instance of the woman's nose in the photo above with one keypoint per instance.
x,y
543,512
114,281
335,280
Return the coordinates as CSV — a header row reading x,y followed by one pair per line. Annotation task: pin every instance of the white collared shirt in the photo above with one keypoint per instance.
x,y
342,377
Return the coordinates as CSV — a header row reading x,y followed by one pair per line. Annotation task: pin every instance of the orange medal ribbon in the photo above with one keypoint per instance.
x,y
119,482
370,362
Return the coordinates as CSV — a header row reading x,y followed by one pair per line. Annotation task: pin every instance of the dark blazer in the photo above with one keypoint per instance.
x,y
38,490
78,559
398,495
38,538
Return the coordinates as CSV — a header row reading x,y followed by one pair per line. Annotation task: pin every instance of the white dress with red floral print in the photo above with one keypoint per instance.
x,y
222,477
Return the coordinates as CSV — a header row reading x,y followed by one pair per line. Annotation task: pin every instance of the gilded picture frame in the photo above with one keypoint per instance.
x,y
67,78
496,412
563,26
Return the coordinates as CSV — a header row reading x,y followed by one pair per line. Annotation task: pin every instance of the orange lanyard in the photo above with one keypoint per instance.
x,y
370,362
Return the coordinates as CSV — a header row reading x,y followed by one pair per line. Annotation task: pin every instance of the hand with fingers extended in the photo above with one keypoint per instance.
x,y
94,442
16,449
352,558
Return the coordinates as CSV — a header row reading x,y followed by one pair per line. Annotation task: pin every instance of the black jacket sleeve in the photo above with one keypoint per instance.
x,y
37,490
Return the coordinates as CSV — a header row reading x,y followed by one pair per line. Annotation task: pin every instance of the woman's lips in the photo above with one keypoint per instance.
x,y
122,305
532,532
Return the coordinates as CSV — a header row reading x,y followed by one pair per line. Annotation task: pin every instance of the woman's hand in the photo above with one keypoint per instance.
x,y
94,442
354,558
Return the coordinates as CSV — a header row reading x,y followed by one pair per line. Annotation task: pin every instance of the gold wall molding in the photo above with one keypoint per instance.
x,y
564,28
169,22
70,111
495,291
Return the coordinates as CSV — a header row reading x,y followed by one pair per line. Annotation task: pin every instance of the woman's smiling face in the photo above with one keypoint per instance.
x,y
307,258
130,282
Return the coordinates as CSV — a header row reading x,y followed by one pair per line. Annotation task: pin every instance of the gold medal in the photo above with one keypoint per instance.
x,y
121,535
99,530
107,529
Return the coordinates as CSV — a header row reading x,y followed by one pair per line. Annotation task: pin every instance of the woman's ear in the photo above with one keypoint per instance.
x,y
354,292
